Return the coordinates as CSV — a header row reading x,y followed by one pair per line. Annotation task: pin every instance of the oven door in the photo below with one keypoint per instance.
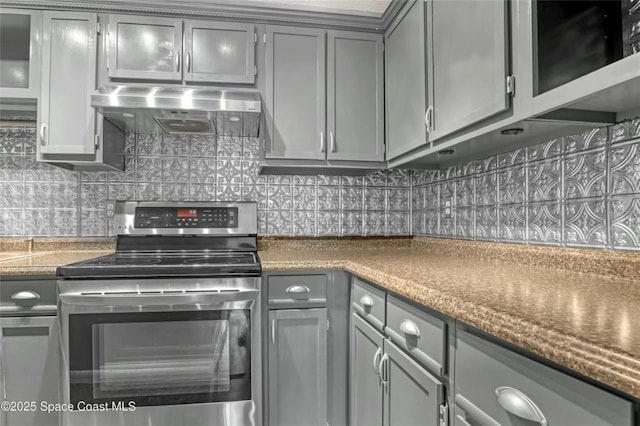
x,y
159,350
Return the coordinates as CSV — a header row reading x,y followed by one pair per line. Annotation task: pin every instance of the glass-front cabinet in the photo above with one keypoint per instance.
x,y
20,40
173,50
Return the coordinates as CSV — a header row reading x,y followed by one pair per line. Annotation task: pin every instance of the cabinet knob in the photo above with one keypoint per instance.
x,y
178,61
321,141
297,288
332,141
366,301
520,405
409,328
187,62
25,298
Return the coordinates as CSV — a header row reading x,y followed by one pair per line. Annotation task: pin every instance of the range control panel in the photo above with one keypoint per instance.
x,y
186,217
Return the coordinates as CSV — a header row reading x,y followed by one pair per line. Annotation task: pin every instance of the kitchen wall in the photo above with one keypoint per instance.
x,y
38,199
581,190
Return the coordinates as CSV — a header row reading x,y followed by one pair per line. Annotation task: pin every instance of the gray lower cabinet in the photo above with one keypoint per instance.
x,y
412,396
29,368
298,367
495,386
387,386
405,76
365,395
469,62
295,87
70,132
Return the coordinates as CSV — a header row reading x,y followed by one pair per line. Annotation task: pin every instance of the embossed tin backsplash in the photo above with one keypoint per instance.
x,y
581,190
37,199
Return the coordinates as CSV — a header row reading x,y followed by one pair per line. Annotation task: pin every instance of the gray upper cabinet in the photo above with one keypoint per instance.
x,y
295,93
173,50
324,97
298,367
219,51
365,395
66,119
355,97
70,132
469,46
405,74
20,41
29,368
148,48
412,396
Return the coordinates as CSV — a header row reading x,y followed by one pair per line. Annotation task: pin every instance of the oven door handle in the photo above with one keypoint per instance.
x,y
137,299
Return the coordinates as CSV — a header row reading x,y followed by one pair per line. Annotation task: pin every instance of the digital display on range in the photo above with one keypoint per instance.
x,y
186,217
187,213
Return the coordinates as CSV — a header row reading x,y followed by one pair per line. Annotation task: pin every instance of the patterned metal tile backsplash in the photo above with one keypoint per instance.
x,y
38,199
581,190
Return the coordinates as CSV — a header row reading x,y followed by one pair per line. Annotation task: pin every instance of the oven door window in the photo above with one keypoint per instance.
x,y
161,358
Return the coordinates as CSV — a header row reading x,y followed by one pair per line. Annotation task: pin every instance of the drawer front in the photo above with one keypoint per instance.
x,y
297,289
418,333
28,297
369,303
496,386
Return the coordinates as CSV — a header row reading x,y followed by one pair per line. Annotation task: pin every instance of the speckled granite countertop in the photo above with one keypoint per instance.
x,y
43,262
549,301
587,322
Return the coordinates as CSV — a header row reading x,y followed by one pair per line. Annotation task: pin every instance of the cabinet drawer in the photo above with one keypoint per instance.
x,y
28,297
368,302
417,332
497,386
297,289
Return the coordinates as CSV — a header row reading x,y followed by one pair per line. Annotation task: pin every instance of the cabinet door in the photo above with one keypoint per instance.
x,y
365,393
29,367
20,37
219,52
298,367
470,56
295,93
66,119
412,396
406,96
146,48
355,96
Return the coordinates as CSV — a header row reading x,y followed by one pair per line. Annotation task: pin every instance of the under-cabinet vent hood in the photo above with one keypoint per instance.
x,y
181,110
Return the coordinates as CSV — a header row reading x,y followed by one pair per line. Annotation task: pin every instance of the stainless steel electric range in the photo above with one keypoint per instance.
x,y
166,330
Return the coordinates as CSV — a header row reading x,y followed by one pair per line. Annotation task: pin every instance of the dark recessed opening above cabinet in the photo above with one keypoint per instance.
x,y
574,38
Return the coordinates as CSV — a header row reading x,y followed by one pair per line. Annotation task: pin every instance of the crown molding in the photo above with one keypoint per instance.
x,y
249,12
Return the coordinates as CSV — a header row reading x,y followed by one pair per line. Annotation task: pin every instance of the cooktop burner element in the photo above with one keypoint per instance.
x,y
177,240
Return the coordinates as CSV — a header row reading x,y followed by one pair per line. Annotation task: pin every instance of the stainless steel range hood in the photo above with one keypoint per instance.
x,y
181,110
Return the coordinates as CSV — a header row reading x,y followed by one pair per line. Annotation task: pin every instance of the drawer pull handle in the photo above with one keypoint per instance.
x,y
409,328
297,288
25,298
519,404
376,361
382,369
366,300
